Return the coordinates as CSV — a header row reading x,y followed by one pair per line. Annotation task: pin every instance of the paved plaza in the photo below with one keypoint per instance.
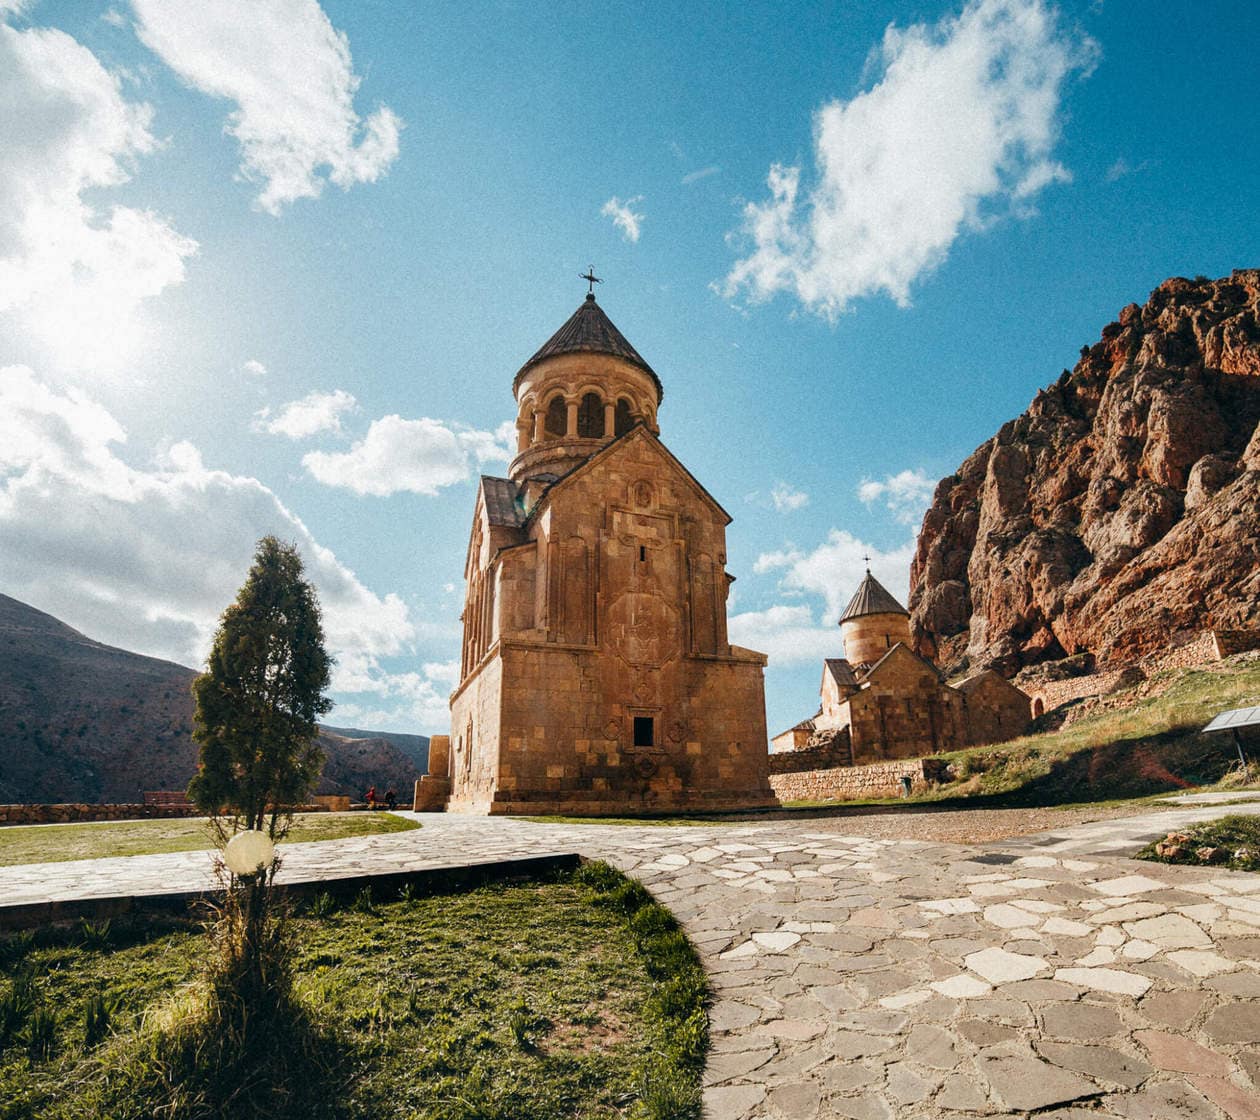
x,y
872,978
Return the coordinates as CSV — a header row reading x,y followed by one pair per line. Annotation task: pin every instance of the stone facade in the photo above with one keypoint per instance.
x,y
994,710
596,673
434,788
793,739
883,701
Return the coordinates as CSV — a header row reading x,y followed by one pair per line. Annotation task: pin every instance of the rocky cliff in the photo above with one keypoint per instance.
x,y
1121,509
83,721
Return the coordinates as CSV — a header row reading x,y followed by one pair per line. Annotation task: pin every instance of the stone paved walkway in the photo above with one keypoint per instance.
x,y
872,979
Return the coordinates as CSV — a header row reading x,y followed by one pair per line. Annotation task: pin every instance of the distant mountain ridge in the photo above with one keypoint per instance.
x,y
84,721
415,747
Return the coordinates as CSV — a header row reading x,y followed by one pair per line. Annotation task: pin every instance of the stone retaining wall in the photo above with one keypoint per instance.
x,y
880,779
824,757
1230,642
70,813
1201,649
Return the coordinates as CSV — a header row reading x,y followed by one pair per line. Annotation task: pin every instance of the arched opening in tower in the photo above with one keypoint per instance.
x,y
591,417
624,420
557,418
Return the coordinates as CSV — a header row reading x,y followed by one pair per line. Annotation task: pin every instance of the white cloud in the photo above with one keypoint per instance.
x,y
75,275
289,74
419,456
906,494
1123,168
787,498
960,126
406,701
254,368
148,558
314,413
834,569
788,634
696,176
624,217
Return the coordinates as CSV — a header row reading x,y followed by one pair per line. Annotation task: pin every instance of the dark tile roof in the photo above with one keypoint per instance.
x,y
842,671
872,598
590,331
503,502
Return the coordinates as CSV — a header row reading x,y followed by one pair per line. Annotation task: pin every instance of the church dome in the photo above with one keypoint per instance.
x,y
584,387
590,331
872,623
871,597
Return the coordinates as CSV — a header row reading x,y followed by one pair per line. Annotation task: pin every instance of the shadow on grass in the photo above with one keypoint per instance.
x,y
182,1066
1122,770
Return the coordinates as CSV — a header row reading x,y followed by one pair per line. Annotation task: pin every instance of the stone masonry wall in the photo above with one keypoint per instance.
x,y
903,712
1230,642
1202,649
73,812
882,779
67,813
826,757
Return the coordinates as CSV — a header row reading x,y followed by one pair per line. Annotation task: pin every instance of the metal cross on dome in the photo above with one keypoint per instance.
x,y
590,277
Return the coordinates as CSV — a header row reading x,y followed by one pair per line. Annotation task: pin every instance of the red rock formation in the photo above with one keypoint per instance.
x,y
1122,508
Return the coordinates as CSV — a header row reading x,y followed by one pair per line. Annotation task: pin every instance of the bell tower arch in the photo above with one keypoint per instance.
x,y
584,388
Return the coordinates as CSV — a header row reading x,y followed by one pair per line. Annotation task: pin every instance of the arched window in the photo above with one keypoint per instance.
x,y
624,419
591,417
557,418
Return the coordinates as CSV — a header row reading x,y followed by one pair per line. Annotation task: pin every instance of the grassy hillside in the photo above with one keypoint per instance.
x,y
83,721
1131,744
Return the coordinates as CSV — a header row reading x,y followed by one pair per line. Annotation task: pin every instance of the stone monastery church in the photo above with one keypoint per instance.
x,y
596,675
883,701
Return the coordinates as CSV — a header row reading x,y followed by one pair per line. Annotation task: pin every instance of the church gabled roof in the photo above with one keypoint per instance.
x,y
503,502
872,597
841,672
899,649
590,331
615,447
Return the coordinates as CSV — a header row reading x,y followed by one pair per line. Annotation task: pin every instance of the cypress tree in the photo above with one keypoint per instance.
x,y
259,699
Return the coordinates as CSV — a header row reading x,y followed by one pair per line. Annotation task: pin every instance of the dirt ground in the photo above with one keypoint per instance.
x,y
971,826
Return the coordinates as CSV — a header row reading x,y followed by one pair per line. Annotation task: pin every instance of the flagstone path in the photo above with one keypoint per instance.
x,y
870,978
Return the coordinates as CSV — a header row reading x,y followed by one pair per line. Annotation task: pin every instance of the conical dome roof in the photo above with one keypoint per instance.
x,y
590,331
872,597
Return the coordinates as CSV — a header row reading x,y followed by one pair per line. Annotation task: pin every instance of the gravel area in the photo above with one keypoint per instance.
x,y
974,826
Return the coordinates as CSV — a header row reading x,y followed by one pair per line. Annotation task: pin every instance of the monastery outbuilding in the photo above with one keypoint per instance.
x,y
882,701
596,676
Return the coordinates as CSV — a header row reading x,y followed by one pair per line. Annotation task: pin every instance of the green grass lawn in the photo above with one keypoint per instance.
x,y
56,843
1231,842
572,997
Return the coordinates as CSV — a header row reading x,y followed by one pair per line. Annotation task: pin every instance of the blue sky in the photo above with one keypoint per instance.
x,y
271,268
